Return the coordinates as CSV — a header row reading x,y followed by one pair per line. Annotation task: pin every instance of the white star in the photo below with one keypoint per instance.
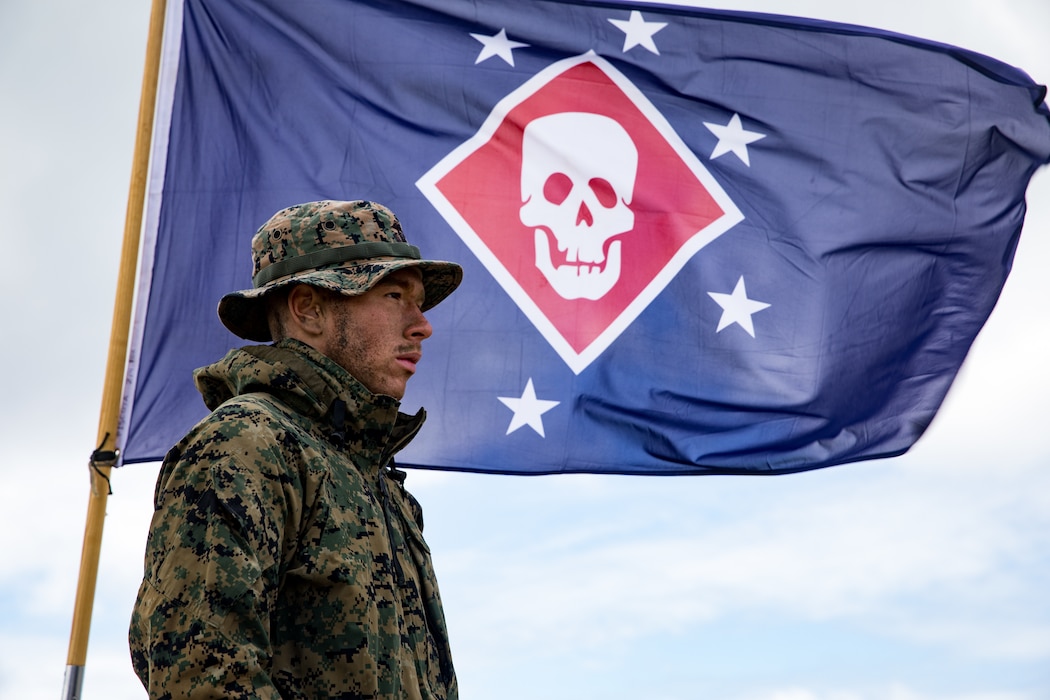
x,y
527,410
733,137
737,308
638,32
497,45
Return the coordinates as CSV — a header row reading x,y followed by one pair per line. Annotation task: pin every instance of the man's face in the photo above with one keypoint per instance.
x,y
377,336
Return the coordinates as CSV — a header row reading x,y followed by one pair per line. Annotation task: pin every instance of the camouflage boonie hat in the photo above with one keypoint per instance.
x,y
343,246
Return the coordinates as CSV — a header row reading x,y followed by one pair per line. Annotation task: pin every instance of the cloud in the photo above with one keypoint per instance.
x,y
894,548
890,692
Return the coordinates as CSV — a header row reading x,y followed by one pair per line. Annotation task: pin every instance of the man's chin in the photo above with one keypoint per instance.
x,y
394,388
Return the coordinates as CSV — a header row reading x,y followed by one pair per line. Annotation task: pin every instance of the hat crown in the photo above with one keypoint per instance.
x,y
344,247
305,229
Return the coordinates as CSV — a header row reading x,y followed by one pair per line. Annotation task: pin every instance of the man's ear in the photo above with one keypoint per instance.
x,y
306,312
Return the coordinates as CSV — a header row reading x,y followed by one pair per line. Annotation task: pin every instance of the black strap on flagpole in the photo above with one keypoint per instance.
x,y
104,458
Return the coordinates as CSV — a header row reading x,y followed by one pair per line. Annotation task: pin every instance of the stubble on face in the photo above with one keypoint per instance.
x,y
377,336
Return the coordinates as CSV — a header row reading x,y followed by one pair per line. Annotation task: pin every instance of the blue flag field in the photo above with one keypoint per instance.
x,y
693,241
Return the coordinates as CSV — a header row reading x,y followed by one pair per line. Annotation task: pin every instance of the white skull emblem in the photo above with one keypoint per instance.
x,y
577,181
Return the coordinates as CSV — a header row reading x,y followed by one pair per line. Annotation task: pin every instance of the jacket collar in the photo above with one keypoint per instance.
x,y
313,385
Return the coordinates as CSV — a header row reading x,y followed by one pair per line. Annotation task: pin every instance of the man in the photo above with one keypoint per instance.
x,y
285,558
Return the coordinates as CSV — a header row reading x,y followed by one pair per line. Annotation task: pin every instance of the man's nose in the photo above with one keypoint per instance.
x,y
419,327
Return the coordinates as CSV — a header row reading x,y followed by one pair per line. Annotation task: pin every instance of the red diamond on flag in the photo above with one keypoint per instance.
x,y
581,200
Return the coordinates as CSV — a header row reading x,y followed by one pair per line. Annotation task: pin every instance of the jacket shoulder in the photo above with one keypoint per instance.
x,y
253,430
254,417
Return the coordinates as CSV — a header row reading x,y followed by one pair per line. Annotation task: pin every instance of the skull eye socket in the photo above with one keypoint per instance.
x,y
557,188
603,191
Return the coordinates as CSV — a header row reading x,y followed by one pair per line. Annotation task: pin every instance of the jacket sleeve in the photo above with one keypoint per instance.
x,y
201,623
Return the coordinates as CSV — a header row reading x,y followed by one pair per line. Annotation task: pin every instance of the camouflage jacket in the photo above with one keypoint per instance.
x,y
285,558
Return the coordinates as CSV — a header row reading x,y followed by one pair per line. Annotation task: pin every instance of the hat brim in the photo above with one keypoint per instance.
x,y
244,312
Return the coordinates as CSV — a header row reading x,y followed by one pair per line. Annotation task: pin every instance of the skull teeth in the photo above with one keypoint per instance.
x,y
573,281
584,270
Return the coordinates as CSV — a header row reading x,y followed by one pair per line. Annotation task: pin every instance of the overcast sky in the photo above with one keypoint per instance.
x,y
918,578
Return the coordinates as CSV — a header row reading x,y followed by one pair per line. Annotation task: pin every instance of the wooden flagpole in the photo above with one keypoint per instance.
x,y
109,415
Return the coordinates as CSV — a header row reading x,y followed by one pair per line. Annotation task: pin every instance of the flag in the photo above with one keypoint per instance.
x,y
694,241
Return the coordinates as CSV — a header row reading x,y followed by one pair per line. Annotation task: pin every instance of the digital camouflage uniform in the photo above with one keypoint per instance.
x,y
285,558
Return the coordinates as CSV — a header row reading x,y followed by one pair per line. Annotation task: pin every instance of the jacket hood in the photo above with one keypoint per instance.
x,y
307,382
